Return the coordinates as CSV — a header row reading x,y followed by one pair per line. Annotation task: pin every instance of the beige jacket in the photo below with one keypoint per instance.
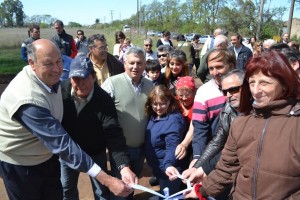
x,y
263,150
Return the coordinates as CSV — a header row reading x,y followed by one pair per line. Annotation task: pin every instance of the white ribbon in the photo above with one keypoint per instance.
x,y
178,195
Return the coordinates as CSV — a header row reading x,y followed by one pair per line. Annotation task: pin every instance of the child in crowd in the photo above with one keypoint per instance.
x,y
164,132
153,72
176,67
125,46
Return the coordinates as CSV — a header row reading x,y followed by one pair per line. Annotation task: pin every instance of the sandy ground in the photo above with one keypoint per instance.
x,y
85,189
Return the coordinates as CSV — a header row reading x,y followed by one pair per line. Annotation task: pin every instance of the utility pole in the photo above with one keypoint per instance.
x,y
291,18
140,20
261,11
138,16
112,15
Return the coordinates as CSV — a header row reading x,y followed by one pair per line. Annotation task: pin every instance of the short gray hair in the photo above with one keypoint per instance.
x,y
220,39
218,31
165,48
148,40
269,42
31,52
136,51
239,73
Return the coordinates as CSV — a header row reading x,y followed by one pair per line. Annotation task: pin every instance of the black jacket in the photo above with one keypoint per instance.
x,y
96,127
212,151
159,42
65,40
114,66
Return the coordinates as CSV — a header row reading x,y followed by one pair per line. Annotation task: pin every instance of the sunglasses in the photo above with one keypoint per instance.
x,y
148,45
162,55
232,90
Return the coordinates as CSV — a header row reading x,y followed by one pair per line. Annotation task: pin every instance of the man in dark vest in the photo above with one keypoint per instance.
x,y
67,41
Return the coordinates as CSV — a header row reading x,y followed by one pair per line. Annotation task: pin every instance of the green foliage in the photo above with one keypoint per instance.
x,y
295,38
12,13
74,24
44,25
268,31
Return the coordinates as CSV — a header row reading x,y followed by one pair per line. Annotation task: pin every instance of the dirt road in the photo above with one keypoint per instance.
x,y
85,189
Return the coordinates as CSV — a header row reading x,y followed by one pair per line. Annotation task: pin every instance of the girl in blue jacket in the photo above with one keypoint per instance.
x,y
164,132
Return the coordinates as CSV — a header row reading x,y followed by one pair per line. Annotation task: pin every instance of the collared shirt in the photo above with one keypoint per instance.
x,y
151,56
54,137
81,102
102,72
50,90
109,88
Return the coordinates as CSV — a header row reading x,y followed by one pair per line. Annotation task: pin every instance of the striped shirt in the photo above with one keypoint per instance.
x,y
208,103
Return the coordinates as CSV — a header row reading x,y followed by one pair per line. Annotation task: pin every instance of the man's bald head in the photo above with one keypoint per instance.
x,y
40,46
45,60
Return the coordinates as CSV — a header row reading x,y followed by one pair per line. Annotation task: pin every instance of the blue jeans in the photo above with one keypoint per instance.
x,y
136,159
69,180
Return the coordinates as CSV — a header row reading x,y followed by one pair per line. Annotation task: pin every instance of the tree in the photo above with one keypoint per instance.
x,y
74,24
97,21
12,13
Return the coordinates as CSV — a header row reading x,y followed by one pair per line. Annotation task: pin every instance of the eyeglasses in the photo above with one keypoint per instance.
x,y
148,45
162,55
101,48
162,105
231,90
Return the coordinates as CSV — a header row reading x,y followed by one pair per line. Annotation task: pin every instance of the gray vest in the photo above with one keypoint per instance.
x,y
130,108
17,145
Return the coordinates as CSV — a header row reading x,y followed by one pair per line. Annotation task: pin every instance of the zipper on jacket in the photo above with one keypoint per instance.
x,y
257,163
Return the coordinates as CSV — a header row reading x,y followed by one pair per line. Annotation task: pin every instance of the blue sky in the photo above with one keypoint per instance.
x,y
85,12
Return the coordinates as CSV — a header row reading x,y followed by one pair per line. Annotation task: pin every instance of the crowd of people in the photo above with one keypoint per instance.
x,y
236,135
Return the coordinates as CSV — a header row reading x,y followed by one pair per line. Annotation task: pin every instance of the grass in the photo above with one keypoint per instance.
x,y
10,61
11,39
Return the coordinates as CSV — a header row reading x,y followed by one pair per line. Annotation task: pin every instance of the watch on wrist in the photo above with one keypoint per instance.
x,y
122,166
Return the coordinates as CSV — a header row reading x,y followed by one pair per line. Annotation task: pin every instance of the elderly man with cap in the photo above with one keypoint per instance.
x,y
90,117
32,137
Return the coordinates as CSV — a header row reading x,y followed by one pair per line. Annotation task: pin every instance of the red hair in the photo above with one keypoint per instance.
x,y
271,64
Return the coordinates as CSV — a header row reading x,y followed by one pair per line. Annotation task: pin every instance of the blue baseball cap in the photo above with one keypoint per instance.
x,y
81,67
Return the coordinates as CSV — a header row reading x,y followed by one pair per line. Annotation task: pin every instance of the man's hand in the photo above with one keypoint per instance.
x,y
116,186
128,176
